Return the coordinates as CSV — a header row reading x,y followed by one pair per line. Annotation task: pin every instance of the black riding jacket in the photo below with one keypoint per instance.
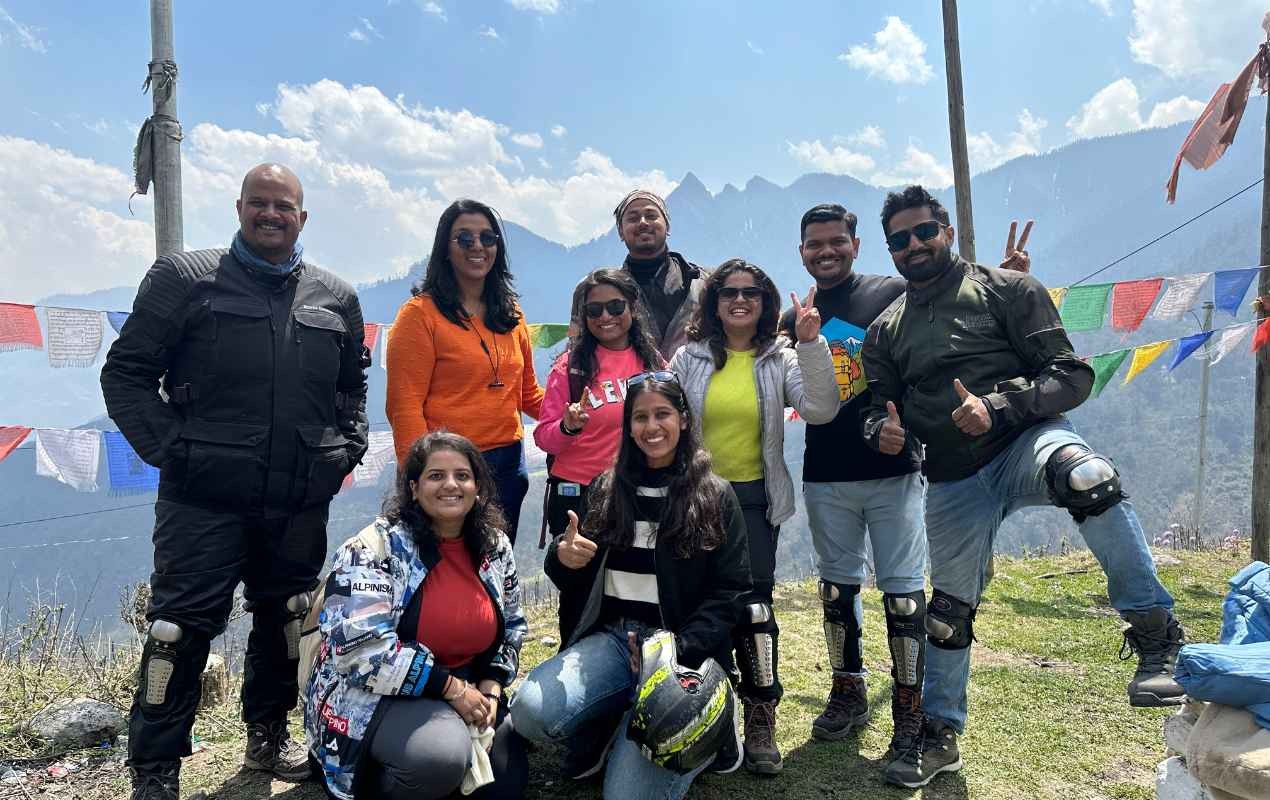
x,y
264,386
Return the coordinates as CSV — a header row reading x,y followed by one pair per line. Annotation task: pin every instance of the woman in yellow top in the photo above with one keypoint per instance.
x,y
739,377
459,355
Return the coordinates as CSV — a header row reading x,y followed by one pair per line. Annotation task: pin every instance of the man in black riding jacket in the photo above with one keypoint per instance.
x,y
240,374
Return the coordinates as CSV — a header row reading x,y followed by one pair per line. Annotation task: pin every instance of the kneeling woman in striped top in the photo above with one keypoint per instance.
x,y
663,547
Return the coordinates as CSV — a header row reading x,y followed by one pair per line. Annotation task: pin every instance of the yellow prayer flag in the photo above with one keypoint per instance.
x,y
1057,294
1143,356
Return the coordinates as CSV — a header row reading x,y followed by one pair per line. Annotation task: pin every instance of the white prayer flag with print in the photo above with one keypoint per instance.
x,y
379,456
384,333
1180,295
1228,339
70,456
73,336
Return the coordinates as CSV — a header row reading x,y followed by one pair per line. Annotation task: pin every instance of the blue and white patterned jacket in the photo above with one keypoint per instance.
x,y
362,658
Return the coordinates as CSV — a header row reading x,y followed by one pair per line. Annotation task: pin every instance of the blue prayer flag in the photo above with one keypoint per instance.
x,y
1230,286
1187,345
117,319
128,473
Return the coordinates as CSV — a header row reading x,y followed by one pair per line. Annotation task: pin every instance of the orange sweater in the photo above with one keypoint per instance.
x,y
439,376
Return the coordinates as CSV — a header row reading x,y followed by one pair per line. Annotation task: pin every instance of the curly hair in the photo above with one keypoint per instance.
x,y
706,325
499,293
482,523
692,519
913,196
582,345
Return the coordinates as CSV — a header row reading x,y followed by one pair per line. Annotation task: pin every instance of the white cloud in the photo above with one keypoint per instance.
x,y
1185,37
28,36
263,109
898,55
356,35
985,153
487,32
433,8
870,136
837,160
755,49
1117,108
1103,5
544,163
559,131
530,140
365,32
918,166
100,127
536,6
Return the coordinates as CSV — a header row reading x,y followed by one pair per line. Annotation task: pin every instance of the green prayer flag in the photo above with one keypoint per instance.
x,y
545,334
1105,366
1085,306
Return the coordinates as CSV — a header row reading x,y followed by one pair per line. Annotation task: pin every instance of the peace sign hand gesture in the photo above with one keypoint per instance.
x,y
1016,257
806,317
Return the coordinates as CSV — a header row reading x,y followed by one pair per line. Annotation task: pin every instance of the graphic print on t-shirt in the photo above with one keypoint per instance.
x,y
609,393
845,341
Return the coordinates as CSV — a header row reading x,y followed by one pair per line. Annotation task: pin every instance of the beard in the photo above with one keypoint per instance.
x,y
938,263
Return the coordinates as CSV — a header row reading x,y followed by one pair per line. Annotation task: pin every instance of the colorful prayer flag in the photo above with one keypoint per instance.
x,y
1228,339
1230,286
128,473
74,336
1057,294
1215,128
1187,345
546,334
371,337
117,319
1143,355
1259,339
1130,302
1180,296
70,456
1085,306
19,329
1105,366
379,455
10,437
384,333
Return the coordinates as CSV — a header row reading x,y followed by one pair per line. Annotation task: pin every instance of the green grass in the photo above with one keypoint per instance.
x,y
1049,717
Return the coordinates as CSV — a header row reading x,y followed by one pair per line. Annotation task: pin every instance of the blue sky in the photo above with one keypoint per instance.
x,y
549,109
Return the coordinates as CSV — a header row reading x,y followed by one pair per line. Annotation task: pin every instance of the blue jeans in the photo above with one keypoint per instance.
x,y
587,682
962,518
887,510
511,476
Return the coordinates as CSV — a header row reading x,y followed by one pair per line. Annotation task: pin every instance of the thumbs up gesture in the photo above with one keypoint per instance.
x,y
891,437
574,550
972,416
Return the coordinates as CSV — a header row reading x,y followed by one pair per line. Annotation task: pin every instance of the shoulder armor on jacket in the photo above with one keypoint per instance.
x,y
167,284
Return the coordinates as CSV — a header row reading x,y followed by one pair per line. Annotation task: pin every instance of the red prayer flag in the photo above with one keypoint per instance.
x,y
1215,129
1131,300
371,336
10,437
19,329
1262,335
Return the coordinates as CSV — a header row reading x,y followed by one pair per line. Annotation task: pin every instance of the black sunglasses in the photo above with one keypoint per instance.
x,y
616,308
664,375
467,240
923,230
730,293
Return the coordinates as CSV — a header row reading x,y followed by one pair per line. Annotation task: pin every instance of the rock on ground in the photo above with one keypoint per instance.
x,y
1173,782
77,722
215,683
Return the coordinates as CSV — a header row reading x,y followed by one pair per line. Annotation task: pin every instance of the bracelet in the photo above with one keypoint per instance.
x,y
566,430
457,694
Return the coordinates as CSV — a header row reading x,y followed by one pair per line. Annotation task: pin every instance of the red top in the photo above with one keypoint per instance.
x,y
457,621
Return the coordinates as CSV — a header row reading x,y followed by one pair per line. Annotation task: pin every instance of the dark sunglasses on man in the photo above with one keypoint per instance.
x,y
595,310
663,375
729,293
467,240
925,231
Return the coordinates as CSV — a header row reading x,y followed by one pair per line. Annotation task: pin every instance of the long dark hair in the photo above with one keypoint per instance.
x,y
692,520
706,325
499,294
582,346
480,524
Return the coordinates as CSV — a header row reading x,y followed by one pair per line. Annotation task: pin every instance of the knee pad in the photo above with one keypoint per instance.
x,y
161,657
290,613
841,603
1082,481
905,626
756,637
949,622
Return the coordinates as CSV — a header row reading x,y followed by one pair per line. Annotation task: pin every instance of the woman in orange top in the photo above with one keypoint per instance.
x,y
459,355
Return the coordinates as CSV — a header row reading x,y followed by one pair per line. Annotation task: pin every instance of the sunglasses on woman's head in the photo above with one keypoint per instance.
x,y
615,308
467,240
924,231
664,375
730,293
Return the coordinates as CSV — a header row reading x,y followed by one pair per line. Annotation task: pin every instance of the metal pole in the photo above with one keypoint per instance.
x,y
168,226
1198,505
957,134
1261,395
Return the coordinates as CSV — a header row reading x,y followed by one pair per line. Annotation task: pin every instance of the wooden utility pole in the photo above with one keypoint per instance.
x,y
957,134
168,226
1261,394
1197,518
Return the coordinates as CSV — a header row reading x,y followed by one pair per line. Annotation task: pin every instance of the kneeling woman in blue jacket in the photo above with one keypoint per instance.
x,y
663,547
419,637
